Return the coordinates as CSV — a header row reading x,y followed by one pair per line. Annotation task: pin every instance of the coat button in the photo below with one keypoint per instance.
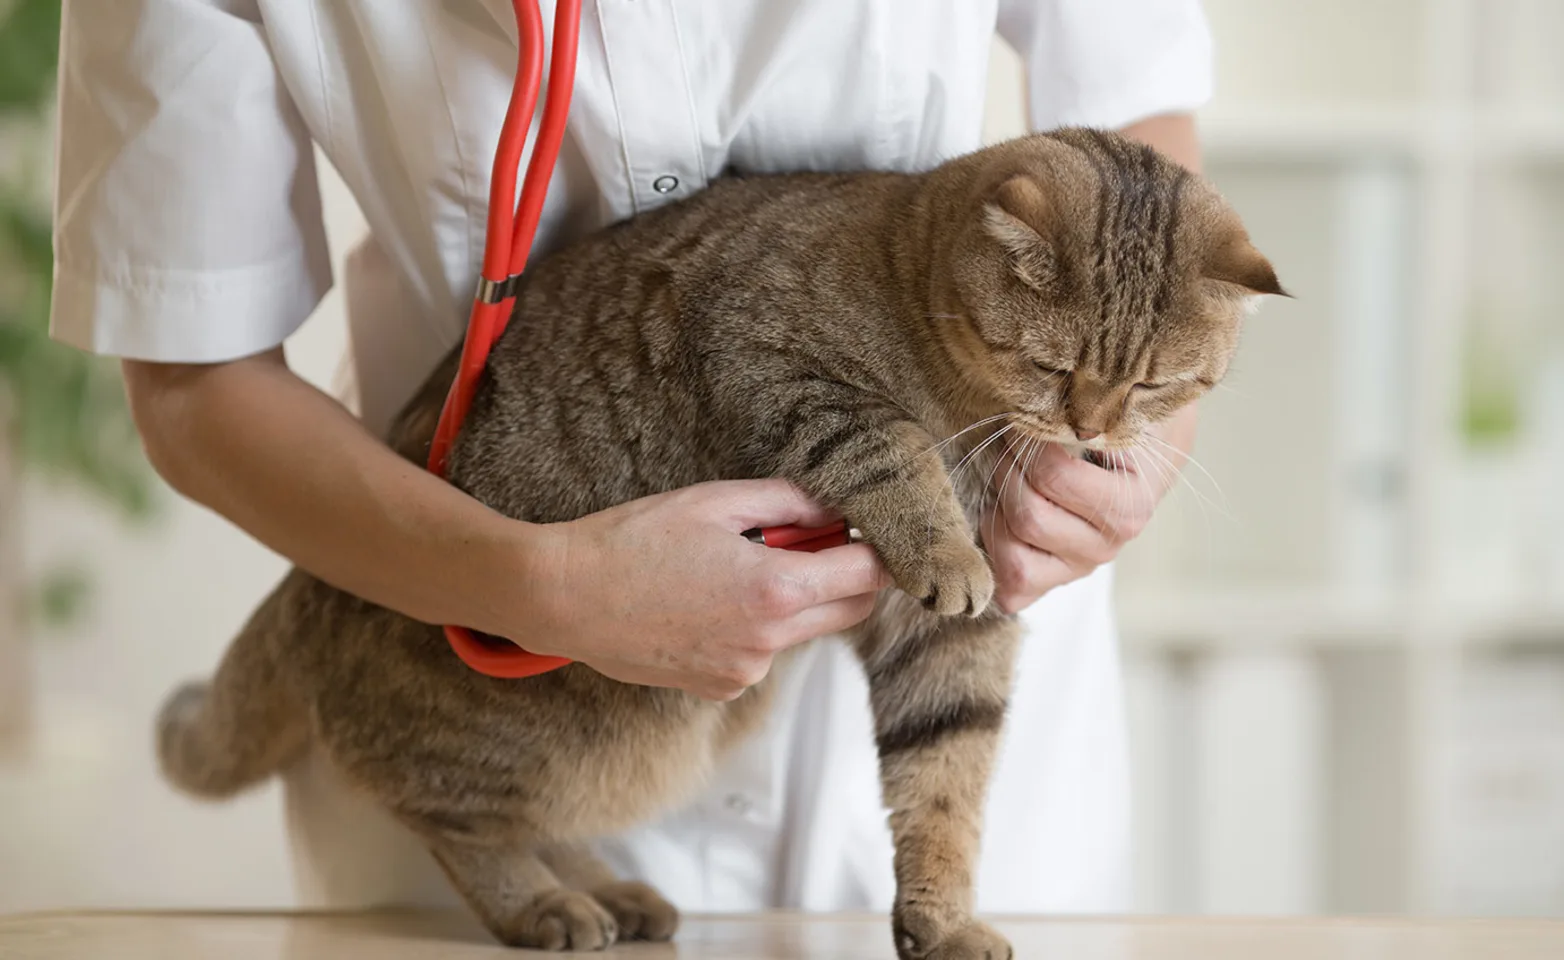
x,y
665,184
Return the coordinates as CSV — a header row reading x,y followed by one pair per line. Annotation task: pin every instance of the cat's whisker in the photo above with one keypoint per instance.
x,y
1165,468
967,460
988,491
1225,506
1161,478
1145,481
988,484
955,472
940,445
1098,515
987,487
974,456
1114,515
1036,452
999,498
1178,476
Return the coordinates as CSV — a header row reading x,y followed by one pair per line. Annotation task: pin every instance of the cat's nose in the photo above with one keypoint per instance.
x,y
1083,434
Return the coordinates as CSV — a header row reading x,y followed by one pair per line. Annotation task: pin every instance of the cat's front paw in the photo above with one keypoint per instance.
x,y
951,579
919,939
563,920
976,941
641,912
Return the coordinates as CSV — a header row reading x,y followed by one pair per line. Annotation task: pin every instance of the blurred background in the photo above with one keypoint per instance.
x,y
1344,635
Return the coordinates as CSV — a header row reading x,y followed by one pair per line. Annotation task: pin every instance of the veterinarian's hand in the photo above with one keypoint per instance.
x,y
665,591
1071,516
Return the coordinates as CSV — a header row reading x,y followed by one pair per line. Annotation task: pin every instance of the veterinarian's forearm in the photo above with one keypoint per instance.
x,y
1172,133
291,467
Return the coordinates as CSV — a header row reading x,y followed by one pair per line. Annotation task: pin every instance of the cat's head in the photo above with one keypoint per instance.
x,y
1096,288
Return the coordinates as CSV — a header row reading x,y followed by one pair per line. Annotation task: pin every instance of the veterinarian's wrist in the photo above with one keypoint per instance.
x,y
509,584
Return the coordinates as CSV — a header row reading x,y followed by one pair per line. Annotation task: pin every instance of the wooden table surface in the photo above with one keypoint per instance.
x,y
437,936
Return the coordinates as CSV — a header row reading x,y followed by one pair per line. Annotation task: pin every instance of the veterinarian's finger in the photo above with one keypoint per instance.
x,y
742,504
1112,501
728,685
1023,574
1039,523
835,574
827,618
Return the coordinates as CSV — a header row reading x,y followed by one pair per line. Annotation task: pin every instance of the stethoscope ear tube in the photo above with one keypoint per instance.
x,y
508,242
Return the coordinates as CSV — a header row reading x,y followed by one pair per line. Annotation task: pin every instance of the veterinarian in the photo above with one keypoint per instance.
x,y
189,243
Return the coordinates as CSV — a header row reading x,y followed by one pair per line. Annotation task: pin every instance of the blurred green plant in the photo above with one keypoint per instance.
x,y
1493,383
68,420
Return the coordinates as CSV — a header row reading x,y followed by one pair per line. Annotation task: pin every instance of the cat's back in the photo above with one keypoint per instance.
x,y
599,390
736,228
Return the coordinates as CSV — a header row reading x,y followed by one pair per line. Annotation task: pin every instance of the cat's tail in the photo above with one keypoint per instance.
x,y
216,739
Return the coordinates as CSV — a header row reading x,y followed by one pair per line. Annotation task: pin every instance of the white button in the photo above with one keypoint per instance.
x,y
665,184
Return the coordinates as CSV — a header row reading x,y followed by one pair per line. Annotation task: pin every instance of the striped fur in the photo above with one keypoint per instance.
x,y
829,329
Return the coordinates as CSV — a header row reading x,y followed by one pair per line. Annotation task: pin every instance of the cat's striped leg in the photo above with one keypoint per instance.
x,y
939,689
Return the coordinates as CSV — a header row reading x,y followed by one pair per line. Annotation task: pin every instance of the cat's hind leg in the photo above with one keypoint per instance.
x,y
520,900
640,910
216,739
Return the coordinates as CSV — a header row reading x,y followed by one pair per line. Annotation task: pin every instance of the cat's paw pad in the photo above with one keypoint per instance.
x,y
563,920
974,940
641,912
951,580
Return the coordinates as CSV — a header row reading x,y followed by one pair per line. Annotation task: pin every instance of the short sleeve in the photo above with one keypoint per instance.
x,y
187,214
1109,63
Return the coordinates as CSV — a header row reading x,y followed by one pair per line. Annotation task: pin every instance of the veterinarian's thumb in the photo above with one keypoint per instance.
x,y
766,503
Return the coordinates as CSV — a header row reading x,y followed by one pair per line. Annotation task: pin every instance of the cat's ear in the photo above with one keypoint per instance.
x,y
1236,261
1020,218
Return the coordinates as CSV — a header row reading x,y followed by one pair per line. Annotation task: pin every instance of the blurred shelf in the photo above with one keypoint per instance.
x,y
1529,134
1194,618
1318,133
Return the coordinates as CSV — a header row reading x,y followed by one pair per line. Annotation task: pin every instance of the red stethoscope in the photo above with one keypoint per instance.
x,y
508,242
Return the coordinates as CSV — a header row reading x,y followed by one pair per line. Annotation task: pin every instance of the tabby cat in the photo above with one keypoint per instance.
x,y
829,329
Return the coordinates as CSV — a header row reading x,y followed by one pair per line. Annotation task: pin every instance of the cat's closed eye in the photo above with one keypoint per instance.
x,y
1046,370
1147,385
